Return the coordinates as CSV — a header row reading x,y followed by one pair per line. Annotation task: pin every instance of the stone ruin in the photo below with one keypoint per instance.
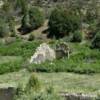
x,y
78,96
62,50
43,53
7,92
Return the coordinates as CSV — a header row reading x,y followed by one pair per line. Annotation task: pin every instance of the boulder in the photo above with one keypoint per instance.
x,y
43,53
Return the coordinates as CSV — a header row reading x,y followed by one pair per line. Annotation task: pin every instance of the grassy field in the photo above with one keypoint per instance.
x,y
14,78
61,82
83,60
70,82
5,59
73,35
83,65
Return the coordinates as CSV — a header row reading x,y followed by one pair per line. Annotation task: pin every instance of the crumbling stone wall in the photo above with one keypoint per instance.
x,y
75,96
7,93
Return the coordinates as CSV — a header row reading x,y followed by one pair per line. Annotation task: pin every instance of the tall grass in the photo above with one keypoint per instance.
x,y
11,66
83,60
19,48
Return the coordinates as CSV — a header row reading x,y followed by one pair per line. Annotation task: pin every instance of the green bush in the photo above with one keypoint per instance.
x,y
96,40
25,21
36,17
4,29
33,83
12,27
31,37
90,16
90,35
77,36
32,20
23,5
62,22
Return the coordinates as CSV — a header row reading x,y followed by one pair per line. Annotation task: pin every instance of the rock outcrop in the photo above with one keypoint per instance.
x,y
43,53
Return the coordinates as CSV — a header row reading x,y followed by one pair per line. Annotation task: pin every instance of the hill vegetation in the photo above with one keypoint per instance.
x,y
25,24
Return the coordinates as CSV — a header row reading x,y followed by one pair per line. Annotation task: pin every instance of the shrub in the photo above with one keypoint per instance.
x,y
4,29
20,90
36,17
96,40
32,20
23,5
33,83
77,36
62,22
12,27
25,21
91,16
31,37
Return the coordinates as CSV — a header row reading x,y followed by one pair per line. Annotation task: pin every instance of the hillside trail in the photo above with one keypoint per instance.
x,y
38,33
40,30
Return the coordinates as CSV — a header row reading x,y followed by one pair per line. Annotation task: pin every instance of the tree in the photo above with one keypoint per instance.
x,y
36,17
31,20
62,22
8,16
23,4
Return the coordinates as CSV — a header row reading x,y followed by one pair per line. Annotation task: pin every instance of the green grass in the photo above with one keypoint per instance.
x,y
15,78
15,55
11,66
70,82
61,82
19,48
5,59
82,60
